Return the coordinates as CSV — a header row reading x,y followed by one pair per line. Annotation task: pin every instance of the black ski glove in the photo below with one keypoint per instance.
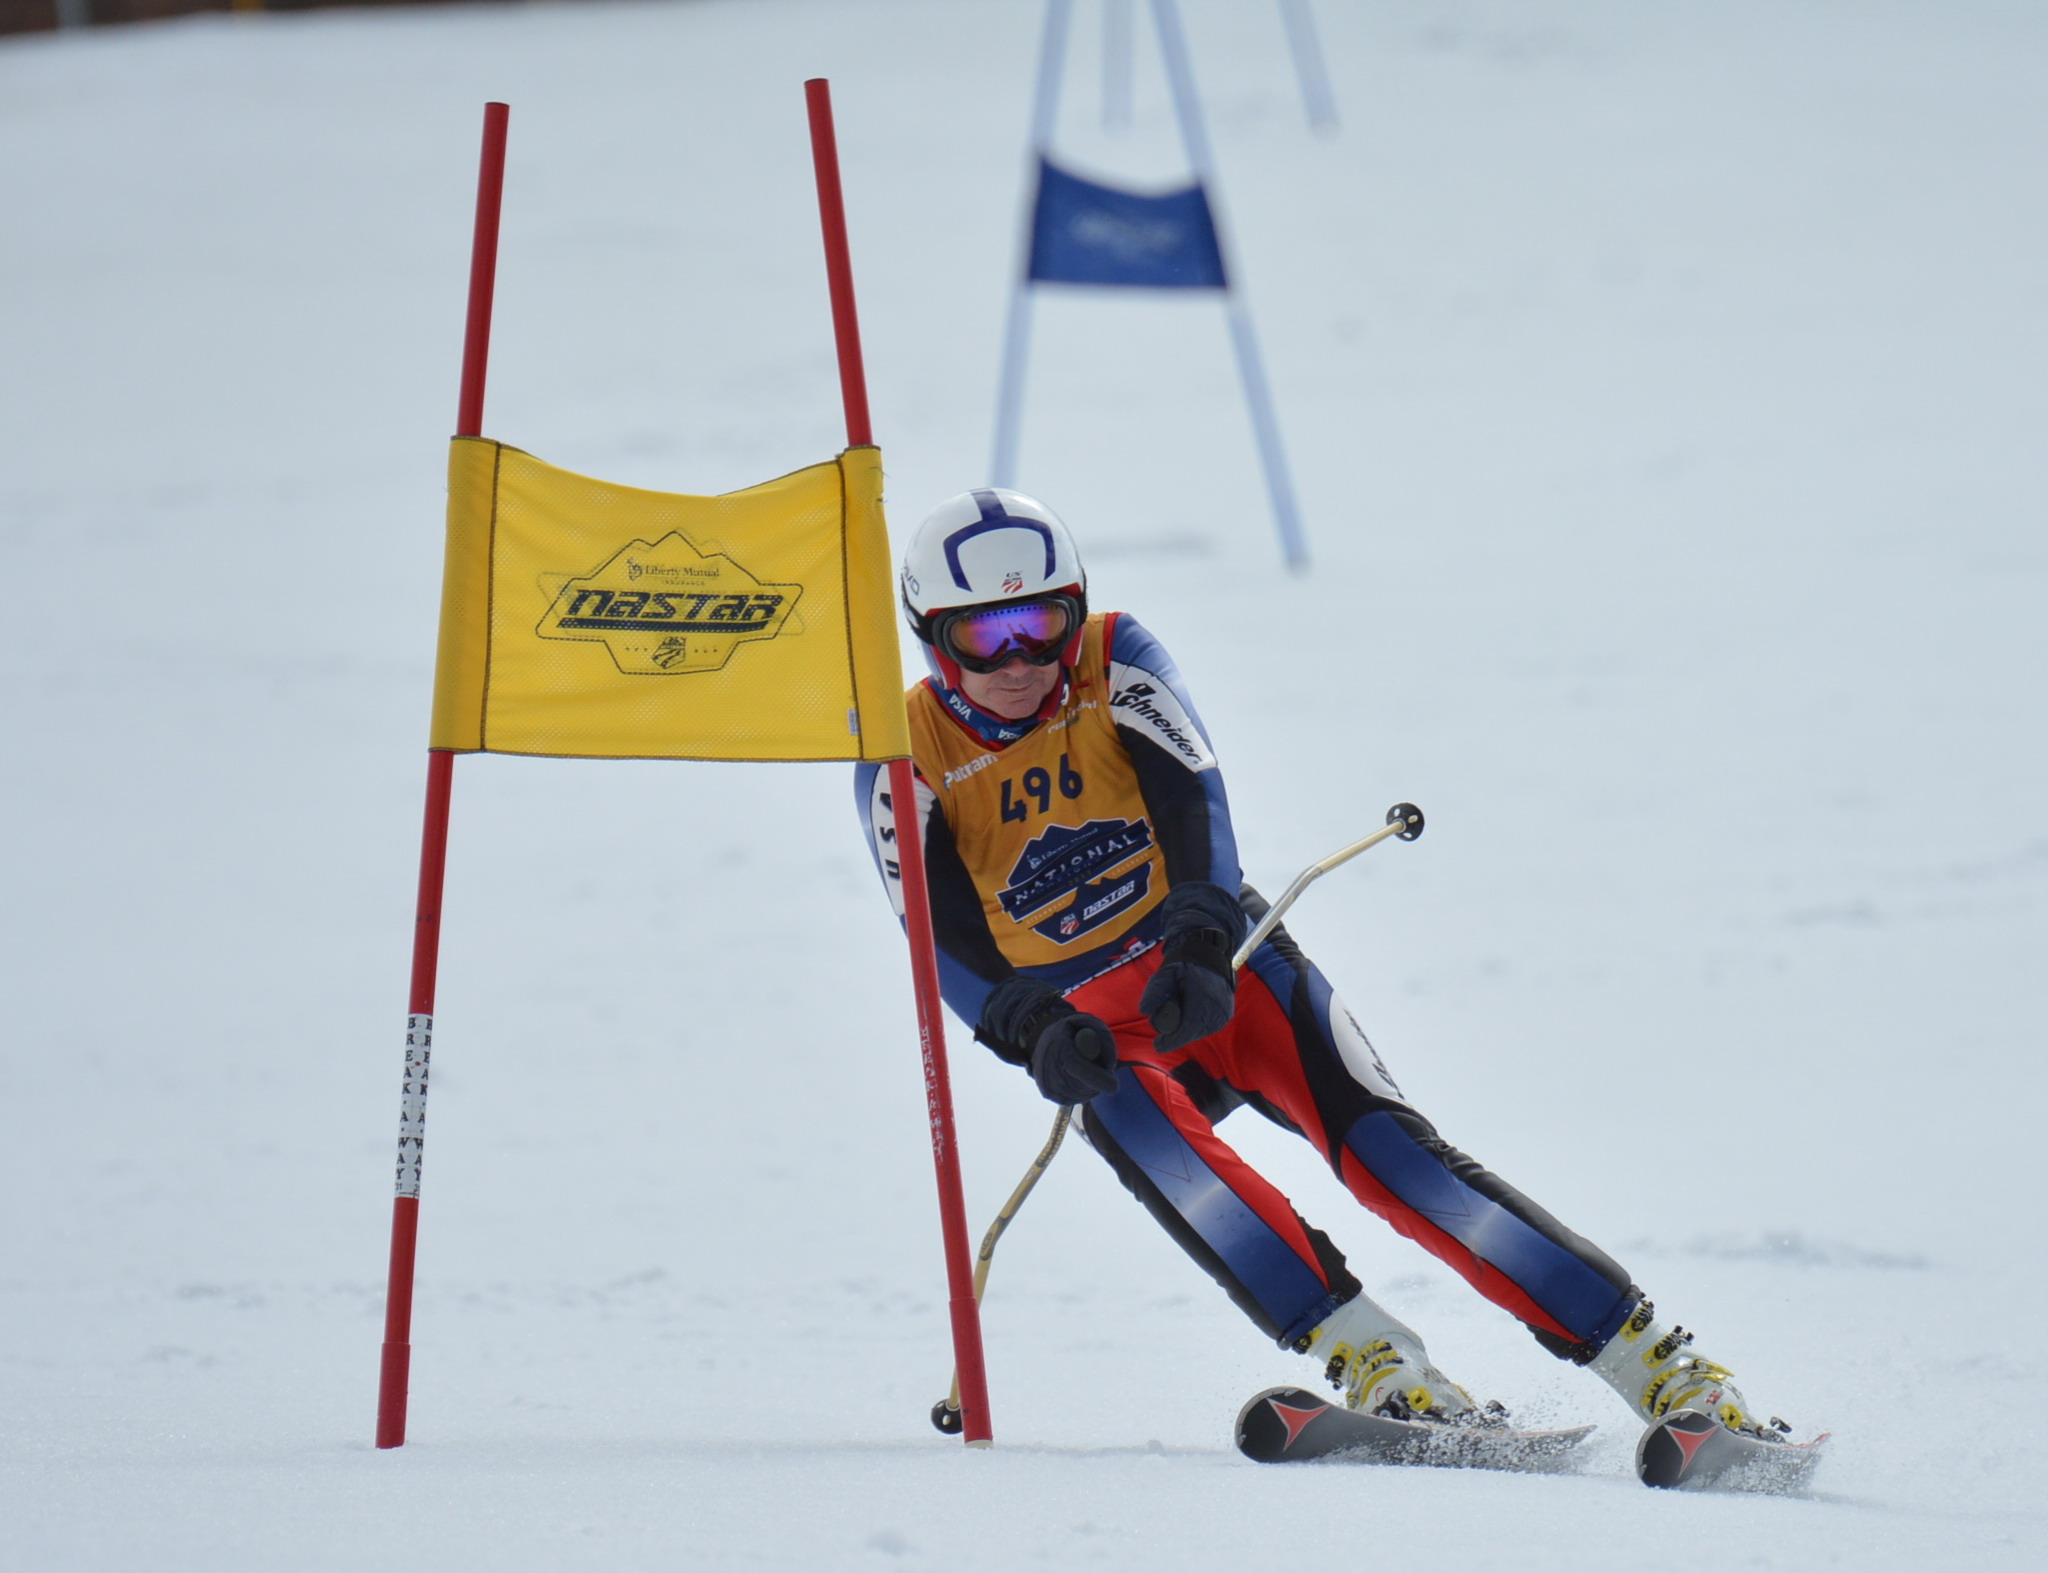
x,y
1074,1058
1070,1054
1194,991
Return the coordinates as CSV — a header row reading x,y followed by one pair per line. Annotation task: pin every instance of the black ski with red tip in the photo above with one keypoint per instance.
x,y
1688,1451
1286,1425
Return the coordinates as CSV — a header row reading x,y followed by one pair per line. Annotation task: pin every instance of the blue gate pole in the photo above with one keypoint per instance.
x,y
1116,65
1251,372
1317,100
1002,469
1052,59
1250,369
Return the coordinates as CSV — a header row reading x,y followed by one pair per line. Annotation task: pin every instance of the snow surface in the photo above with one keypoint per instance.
x,y
1663,385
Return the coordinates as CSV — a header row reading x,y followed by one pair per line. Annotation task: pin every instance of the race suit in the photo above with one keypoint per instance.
x,y
1049,844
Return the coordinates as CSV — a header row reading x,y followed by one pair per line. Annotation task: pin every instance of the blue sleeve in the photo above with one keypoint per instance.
x,y
970,964
1170,751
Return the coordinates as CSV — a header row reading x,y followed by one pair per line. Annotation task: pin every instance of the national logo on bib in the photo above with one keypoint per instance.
x,y
1085,866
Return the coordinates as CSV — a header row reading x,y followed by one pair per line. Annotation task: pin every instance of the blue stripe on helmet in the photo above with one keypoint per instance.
x,y
992,518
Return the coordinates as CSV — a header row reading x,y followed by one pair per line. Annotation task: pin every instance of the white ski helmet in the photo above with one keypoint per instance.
x,y
985,547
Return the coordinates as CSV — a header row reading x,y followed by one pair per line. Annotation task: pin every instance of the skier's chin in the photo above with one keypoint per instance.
x,y
1012,695
1017,704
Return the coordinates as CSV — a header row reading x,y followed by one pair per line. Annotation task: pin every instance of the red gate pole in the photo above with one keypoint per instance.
x,y
426,937
917,911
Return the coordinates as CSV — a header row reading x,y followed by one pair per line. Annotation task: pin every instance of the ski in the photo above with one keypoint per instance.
x,y
1287,1425
1688,1451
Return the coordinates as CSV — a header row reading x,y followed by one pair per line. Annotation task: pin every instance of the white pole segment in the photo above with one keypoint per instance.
x,y
412,1111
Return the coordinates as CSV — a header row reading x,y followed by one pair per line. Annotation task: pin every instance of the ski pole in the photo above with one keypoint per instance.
x,y
1403,820
946,1412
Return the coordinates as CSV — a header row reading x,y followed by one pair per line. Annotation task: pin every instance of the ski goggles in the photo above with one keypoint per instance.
x,y
983,638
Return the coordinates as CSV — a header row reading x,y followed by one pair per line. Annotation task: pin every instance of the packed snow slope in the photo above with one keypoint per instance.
x,y
1663,384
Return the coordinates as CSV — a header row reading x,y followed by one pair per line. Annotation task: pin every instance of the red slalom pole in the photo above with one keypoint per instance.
x,y
483,272
395,1371
853,377
917,910
938,1097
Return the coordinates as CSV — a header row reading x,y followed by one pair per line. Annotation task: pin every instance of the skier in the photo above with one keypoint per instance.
x,y
1086,903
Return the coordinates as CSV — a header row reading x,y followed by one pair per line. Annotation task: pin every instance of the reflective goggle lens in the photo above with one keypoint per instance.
x,y
985,638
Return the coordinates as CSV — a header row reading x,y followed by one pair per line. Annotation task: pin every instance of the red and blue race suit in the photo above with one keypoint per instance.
x,y
1049,845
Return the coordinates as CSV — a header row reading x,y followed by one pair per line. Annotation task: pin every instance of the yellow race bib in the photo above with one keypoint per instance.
x,y
1053,828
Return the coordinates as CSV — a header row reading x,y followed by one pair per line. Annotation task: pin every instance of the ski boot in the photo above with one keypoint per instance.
x,y
1700,1433
1653,1369
1382,1369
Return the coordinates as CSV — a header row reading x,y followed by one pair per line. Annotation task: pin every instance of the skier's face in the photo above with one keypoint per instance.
x,y
1013,690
